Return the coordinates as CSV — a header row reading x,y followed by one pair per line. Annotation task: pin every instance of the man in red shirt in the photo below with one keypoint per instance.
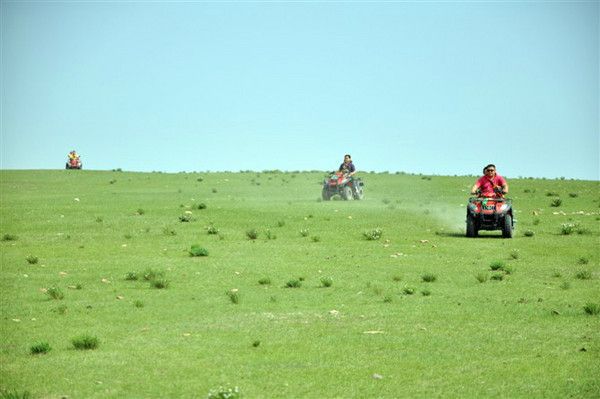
x,y
490,184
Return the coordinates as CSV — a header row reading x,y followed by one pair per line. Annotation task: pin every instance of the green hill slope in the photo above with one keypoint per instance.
x,y
310,307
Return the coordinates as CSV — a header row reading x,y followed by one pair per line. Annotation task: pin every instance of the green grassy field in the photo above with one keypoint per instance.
x,y
360,319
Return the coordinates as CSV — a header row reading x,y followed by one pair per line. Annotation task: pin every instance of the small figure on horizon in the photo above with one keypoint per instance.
x,y
73,161
490,184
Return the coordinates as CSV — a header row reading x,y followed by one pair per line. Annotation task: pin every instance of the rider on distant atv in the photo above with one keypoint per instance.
x,y
347,167
490,184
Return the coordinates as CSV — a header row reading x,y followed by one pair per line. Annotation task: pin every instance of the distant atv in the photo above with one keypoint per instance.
x,y
490,214
345,186
73,163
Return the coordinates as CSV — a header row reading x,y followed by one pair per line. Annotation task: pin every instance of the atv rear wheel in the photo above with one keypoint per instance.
x,y
347,193
326,195
507,228
471,227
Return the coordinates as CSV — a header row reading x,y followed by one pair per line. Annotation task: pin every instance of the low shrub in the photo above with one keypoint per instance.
x,y
152,274
252,234
131,276
32,260
592,308
374,234
497,265
584,275
224,393
40,348
293,284
160,283
234,296
55,293
211,230
264,281
556,202
326,281
85,342
568,228
9,237
197,250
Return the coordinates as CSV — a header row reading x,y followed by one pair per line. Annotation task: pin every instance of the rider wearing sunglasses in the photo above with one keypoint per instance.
x,y
490,184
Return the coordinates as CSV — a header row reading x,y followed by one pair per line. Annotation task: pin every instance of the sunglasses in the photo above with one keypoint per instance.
x,y
490,170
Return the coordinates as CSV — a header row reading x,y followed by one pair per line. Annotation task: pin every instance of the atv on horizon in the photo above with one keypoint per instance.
x,y
73,163
490,214
343,185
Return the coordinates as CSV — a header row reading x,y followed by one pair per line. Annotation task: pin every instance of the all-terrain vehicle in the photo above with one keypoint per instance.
x,y
490,214
343,185
73,163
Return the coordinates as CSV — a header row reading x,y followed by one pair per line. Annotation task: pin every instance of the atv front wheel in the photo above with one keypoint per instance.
x,y
347,193
507,228
471,227
326,195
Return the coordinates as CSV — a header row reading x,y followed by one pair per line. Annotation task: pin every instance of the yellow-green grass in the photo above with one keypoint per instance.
x,y
526,335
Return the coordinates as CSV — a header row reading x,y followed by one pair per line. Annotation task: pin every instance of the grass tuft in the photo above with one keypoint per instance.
x,y
9,237
131,276
152,274
252,234
429,277
592,308
482,277
568,228
293,284
497,277
40,348
425,292
304,232
556,202
584,275
583,260
55,293
234,296
497,265
408,290
264,281
374,234
197,250
528,233
15,395
326,282
85,342
32,260
160,283
224,393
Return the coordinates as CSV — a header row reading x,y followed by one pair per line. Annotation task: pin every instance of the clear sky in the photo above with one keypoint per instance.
x,y
420,87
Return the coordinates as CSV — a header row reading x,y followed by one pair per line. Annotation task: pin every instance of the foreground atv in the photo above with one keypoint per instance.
x,y
74,163
490,214
345,186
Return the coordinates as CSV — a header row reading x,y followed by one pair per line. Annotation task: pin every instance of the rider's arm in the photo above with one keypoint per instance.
x,y
475,188
505,188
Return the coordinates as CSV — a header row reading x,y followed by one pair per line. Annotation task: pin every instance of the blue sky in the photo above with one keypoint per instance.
x,y
421,87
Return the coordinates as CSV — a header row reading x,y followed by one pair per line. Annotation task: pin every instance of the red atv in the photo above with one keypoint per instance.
x,y
490,214
73,163
345,186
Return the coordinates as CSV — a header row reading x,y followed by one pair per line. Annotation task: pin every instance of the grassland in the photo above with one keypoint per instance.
x,y
101,297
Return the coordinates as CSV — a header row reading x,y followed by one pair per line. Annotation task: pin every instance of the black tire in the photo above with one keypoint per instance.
x,y
507,227
347,193
471,226
358,192
325,194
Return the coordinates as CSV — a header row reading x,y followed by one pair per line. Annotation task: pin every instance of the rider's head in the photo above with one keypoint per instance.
x,y
490,170
347,158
